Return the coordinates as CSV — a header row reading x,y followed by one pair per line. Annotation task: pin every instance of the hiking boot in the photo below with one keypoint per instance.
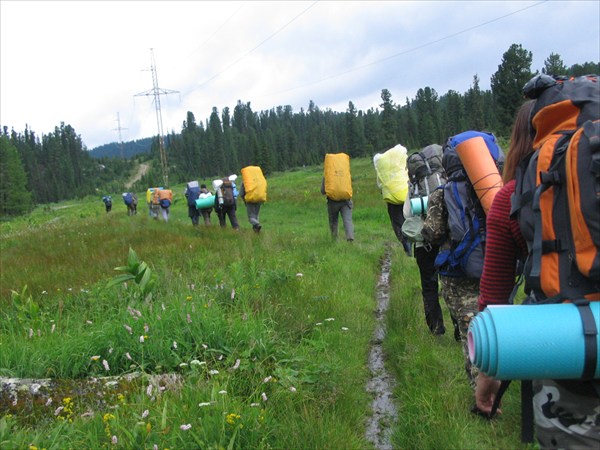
x,y
256,228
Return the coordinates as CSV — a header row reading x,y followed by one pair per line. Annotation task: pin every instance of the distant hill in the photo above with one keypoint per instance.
x,y
129,150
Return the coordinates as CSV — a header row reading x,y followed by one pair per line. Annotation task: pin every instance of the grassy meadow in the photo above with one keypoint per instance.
x,y
261,339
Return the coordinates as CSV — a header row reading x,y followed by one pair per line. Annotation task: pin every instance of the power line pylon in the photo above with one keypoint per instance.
x,y
156,92
119,128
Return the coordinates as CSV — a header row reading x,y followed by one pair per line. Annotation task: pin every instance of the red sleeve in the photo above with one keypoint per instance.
x,y
504,245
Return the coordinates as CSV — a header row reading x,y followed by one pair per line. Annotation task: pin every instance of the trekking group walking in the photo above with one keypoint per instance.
x,y
476,220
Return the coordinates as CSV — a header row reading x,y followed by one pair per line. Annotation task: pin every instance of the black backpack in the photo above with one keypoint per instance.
x,y
425,171
227,193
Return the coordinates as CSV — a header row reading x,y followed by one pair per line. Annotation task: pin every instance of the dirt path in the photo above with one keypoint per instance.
x,y
141,171
381,385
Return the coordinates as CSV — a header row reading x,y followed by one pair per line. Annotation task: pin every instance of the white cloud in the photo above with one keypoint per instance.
x,y
83,62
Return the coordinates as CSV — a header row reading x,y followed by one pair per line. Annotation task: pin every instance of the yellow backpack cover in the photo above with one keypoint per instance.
x,y
338,180
255,184
150,194
392,176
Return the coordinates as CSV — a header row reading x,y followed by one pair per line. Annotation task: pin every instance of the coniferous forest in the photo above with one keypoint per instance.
x,y
57,166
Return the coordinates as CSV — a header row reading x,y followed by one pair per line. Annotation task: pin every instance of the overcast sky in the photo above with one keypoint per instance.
x,y
82,63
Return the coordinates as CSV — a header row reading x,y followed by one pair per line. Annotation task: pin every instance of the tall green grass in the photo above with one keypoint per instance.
x,y
268,334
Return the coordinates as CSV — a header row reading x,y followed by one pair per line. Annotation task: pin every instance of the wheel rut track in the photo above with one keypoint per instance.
x,y
381,384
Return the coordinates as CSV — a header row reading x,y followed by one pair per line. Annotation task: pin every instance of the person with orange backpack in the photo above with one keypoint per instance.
x,y
550,213
163,198
456,223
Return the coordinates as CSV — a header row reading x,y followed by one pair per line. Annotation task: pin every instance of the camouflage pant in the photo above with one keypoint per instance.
x,y
565,419
460,295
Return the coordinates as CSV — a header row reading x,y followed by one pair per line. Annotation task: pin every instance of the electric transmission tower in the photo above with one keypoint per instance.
x,y
119,130
156,92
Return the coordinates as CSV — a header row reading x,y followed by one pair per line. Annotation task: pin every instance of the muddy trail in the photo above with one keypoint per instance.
x,y
381,384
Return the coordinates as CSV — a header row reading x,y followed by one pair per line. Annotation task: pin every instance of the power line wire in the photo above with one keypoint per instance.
x,y
260,44
218,29
404,52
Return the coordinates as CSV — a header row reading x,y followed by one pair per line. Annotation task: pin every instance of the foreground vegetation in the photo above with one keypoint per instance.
x,y
262,339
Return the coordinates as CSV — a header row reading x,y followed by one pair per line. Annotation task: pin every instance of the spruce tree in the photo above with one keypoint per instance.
x,y
15,199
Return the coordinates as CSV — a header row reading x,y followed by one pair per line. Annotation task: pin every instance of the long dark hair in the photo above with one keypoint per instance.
x,y
521,143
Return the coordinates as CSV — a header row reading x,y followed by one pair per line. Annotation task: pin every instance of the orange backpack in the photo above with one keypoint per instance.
x,y
557,195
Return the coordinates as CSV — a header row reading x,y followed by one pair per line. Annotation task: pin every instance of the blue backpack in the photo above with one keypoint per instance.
x,y
192,194
466,217
128,198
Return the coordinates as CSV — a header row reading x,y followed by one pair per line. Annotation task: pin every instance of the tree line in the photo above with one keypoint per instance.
x,y
58,166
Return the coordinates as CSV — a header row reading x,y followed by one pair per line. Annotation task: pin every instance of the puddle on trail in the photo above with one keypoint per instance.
x,y
381,384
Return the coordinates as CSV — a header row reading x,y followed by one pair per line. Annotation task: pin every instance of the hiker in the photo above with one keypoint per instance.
x,y
426,174
225,202
107,199
566,412
505,244
163,198
153,202
205,212
130,199
192,193
455,219
392,180
254,193
337,187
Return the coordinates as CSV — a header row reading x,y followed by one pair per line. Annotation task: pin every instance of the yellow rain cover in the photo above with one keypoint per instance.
x,y
392,176
338,181
255,184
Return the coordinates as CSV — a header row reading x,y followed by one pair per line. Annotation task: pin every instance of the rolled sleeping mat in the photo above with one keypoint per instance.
x,y
530,342
481,169
216,184
418,205
205,202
